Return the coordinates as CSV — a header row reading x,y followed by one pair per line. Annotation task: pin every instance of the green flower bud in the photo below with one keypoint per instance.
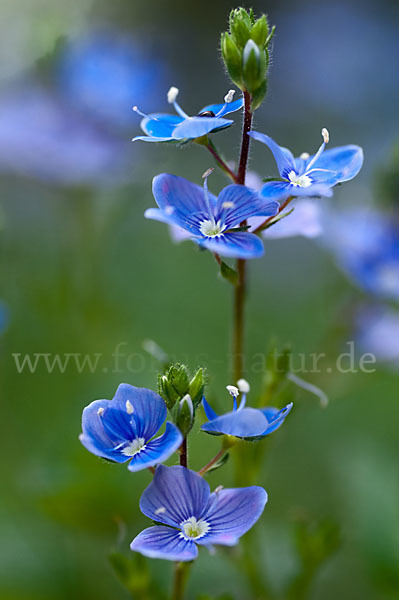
x,y
253,66
240,29
185,415
167,391
197,386
178,377
260,31
232,58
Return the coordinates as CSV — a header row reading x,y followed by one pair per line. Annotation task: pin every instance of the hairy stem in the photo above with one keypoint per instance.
x,y
212,149
212,462
282,207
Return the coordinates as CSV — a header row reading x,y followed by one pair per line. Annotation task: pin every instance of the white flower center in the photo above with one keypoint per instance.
x,y
211,229
299,180
134,447
193,529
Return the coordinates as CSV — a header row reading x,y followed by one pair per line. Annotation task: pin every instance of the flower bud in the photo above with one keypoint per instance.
x,y
260,31
185,415
253,66
167,391
232,58
197,386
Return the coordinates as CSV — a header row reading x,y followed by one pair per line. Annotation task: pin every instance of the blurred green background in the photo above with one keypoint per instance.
x,y
82,271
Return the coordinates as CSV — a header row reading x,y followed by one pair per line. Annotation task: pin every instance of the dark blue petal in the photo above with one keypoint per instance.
x,y
94,436
163,542
283,157
231,513
174,495
236,203
275,417
234,245
224,109
180,198
276,190
248,422
345,161
281,190
196,127
210,413
160,125
149,410
158,450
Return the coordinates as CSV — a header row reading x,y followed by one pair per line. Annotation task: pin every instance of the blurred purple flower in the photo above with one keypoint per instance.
x,y
377,332
39,137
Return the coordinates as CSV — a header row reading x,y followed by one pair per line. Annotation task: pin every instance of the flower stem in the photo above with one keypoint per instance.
x,y
212,462
212,149
282,207
180,579
183,453
240,289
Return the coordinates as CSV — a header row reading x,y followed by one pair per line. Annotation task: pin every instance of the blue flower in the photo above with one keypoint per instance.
x,y
181,500
160,127
122,429
310,175
212,222
244,422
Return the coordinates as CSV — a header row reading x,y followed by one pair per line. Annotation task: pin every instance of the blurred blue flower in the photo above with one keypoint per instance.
x,y
377,332
365,244
4,317
122,429
105,72
310,175
39,137
212,222
244,422
160,127
181,500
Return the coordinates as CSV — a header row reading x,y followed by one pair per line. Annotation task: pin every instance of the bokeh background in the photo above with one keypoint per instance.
x,y
82,271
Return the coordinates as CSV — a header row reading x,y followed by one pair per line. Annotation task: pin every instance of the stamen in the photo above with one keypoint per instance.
x,y
233,390
243,386
218,489
160,510
138,111
305,155
134,447
206,193
229,96
228,204
172,94
194,529
169,210
326,139
326,135
100,411
129,407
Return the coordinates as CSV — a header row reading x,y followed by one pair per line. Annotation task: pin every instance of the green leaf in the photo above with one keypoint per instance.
x,y
228,273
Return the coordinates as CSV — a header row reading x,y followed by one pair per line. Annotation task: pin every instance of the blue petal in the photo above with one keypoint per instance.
x,y
248,422
160,125
159,215
234,245
345,161
283,157
182,200
231,513
174,495
275,417
196,127
149,410
158,450
236,203
281,190
210,413
224,109
306,220
145,138
94,436
276,190
163,542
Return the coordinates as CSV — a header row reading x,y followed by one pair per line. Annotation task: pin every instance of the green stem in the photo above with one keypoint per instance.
x,y
180,580
280,210
212,462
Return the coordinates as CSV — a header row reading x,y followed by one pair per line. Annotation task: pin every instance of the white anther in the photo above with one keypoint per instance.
x,y
160,510
218,489
305,155
233,390
207,173
169,210
129,407
229,96
100,411
243,386
326,135
228,204
172,94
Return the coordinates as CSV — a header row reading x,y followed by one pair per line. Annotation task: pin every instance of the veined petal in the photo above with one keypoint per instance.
x,y
275,417
175,194
225,108
283,157
174,495
276,190
345,161
195,127
94,437
210,413
248,422
160,125
231,513
166,543
158,450
238,244
145,409
236,203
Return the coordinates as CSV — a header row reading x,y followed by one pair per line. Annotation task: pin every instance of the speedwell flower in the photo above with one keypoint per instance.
x,y
310,175
244,422
160,127
213,223
181,500
122,429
